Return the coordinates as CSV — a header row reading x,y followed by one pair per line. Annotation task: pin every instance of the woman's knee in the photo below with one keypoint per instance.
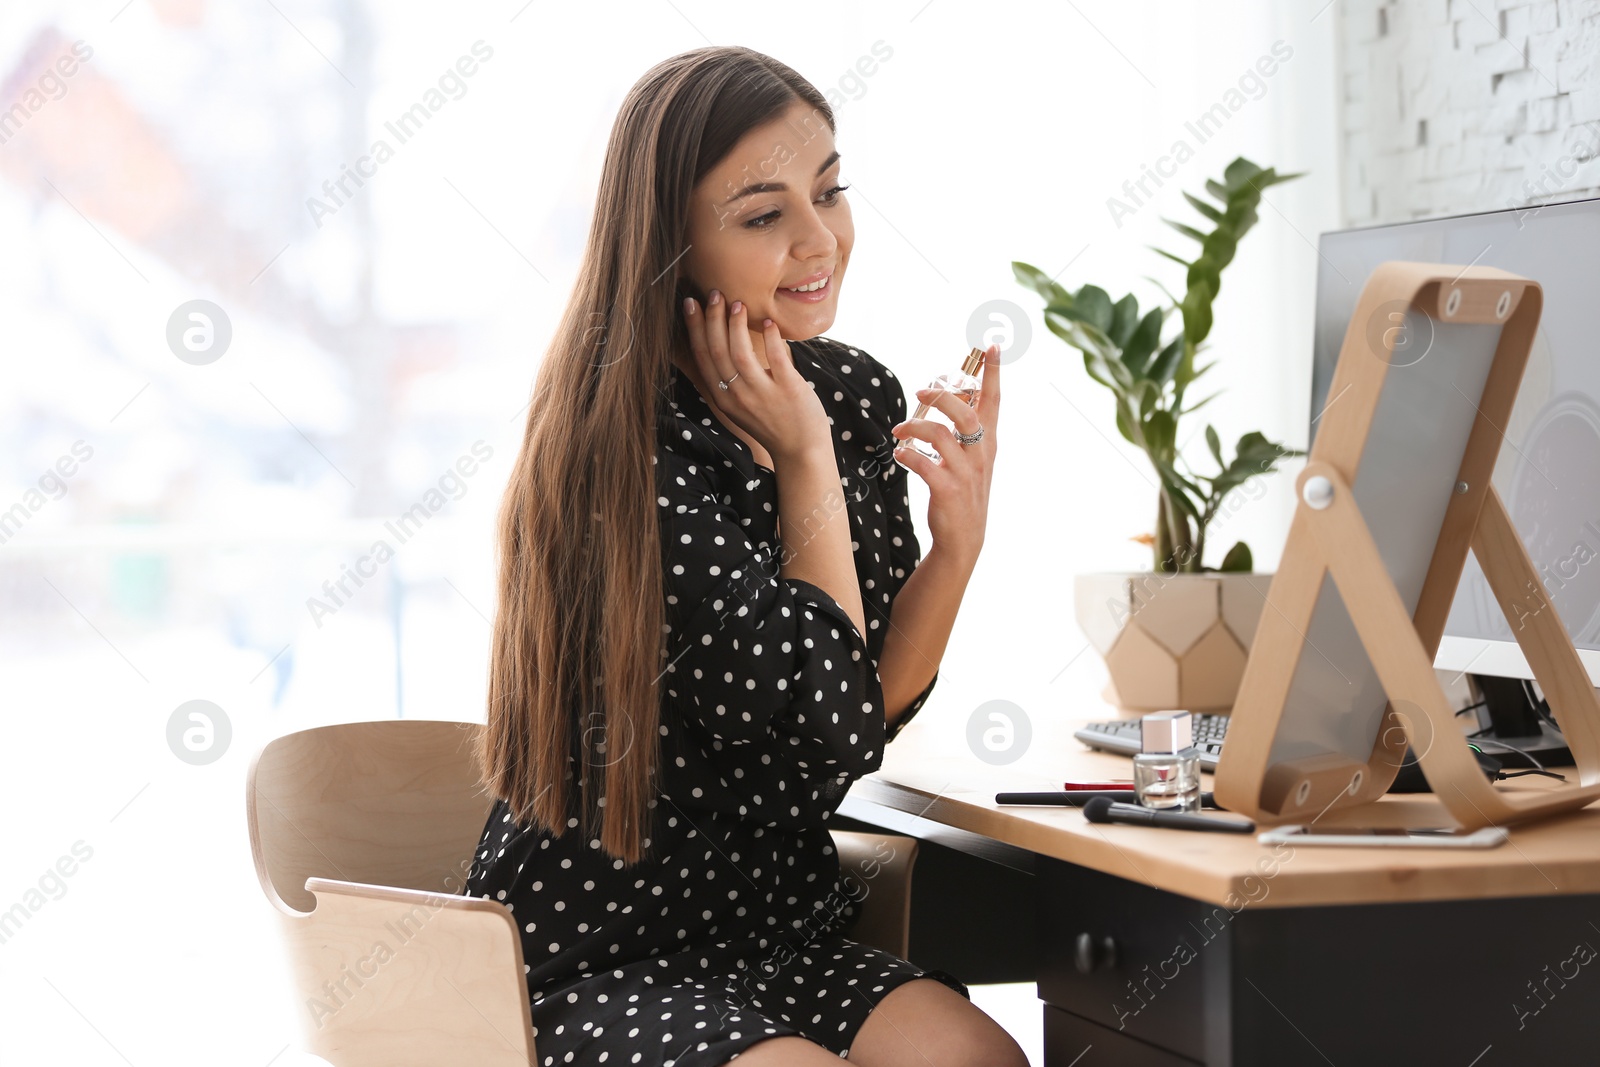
x,y
925,1020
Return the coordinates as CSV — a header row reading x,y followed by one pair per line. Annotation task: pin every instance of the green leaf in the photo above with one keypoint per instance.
x,y
1216,190
1079,334
1040,282
1091,365
1219,249
1117,372
1124,317
1178,489
1240,218
1062,320
1136,353
1162,367
1108,372
1184,374
1204,279
1204,208
1074,313
1254,455
1200,404
1061,326
1099,354
1160,432
1169,255
1270,177
1214,443
1197,314
1148,393
1187,231
1239,172
1125,422
1257,450
1203,282
1188,485
1235,475
1093,306
1238,560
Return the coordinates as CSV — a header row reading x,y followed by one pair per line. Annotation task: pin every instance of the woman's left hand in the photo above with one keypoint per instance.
x,y
958,481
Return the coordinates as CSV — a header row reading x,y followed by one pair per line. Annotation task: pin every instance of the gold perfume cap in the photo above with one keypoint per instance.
x,y
973,361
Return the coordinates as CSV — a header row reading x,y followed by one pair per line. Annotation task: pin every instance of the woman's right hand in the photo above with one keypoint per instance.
x,y
774,404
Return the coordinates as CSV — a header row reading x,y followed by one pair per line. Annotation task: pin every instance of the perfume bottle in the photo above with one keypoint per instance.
x,y
1166,772
963,383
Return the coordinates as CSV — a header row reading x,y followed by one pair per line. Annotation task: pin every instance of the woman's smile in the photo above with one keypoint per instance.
x,y
814,289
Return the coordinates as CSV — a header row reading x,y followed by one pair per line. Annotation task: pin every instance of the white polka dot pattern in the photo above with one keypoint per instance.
x,y
732,928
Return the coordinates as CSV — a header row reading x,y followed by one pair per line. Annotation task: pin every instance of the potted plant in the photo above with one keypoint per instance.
x,y
1176,636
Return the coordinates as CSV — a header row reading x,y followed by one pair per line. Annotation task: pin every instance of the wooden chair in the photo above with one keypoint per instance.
x,y
363,835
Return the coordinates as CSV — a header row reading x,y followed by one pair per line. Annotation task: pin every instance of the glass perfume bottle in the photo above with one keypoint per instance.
x,y
1166,772
963,383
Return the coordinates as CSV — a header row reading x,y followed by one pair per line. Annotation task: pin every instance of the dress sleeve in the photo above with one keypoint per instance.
x,y
904,551
755,658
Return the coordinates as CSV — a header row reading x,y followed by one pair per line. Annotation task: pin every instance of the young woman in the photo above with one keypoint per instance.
x,y
713,610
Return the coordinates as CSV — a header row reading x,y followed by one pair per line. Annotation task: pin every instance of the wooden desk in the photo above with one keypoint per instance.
x,y
1160,948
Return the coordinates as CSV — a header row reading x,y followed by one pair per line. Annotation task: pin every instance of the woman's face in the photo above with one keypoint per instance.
x,y
771,217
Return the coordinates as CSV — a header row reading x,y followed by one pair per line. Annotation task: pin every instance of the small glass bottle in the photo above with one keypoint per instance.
x,y
963,383
1166,773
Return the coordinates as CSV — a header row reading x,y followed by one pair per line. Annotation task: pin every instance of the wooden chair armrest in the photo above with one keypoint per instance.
x,y
881,863
403,977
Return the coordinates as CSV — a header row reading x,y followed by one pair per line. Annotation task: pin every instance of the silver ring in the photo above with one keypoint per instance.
x,y
970,439
724,385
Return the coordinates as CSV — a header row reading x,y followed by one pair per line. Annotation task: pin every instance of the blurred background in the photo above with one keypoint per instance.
x,y
226,381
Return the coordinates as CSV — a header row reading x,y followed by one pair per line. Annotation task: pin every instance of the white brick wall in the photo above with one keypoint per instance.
x,y
1451,106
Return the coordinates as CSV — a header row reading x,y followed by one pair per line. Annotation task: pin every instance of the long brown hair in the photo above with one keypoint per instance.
x,y
578,644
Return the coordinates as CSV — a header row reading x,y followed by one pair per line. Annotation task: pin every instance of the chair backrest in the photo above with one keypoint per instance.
x,y
391,803
390,964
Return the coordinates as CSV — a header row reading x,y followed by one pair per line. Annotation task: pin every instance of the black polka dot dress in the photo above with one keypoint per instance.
x,y
735,927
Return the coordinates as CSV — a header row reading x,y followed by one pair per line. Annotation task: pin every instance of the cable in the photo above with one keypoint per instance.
x,y
1529,756
1541,706
1502,775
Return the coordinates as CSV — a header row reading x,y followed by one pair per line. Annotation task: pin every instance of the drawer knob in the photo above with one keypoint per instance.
x,y
1092,954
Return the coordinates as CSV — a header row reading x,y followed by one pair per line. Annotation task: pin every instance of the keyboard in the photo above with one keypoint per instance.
x,y
1122,736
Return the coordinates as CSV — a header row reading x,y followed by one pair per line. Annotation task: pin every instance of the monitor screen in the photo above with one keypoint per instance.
x,y
1548,471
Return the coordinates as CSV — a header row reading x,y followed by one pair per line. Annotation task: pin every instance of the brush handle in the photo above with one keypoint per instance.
x,y
1077,798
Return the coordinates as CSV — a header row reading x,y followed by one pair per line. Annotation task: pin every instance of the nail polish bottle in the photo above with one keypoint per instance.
x,y
963,383
1166,772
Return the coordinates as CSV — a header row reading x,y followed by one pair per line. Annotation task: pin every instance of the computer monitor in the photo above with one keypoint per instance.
x,y
1548,471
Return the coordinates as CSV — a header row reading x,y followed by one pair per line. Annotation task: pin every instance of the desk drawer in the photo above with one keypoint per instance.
x,y
1067,1038
1133,959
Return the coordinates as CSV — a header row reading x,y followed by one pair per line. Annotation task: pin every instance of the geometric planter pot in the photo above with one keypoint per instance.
x,y
1172,641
